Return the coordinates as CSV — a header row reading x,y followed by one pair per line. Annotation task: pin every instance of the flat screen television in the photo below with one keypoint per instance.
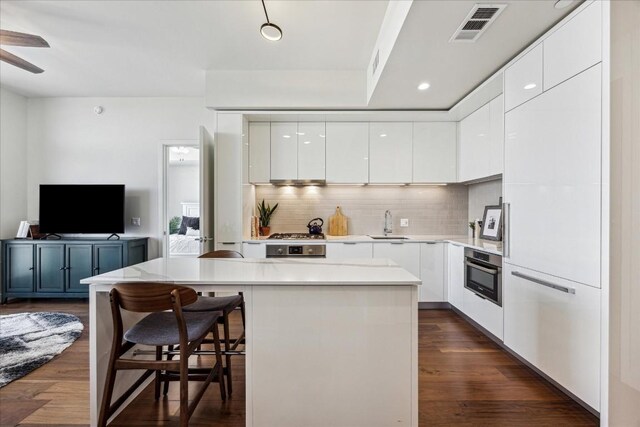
x,y
81,209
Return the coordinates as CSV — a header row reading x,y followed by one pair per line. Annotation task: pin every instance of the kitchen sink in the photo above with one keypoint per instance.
x,y
389,237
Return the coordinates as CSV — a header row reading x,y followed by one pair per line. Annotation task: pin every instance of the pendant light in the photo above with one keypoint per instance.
x,y
269,30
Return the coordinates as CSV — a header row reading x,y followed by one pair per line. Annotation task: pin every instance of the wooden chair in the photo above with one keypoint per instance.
x,y
227,305
158,329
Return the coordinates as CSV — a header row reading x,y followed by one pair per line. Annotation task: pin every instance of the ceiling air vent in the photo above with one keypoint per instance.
x,y
477,22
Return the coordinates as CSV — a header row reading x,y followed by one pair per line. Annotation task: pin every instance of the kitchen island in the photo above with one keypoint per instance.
x,y
328,342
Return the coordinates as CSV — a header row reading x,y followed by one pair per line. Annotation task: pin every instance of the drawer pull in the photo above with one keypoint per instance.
x,y
544,283
492,271
254,243
349,243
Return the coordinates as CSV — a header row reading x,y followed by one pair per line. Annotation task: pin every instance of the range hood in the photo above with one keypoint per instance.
x,y
298,182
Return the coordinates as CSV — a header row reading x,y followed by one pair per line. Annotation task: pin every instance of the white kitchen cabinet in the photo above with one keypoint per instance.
x,y
556,331
311,151
485,313
434,152
432,272
455,260
552,180
390,152
259,152
475,145
523,79
284,151
347,149
496,132
229,246
407,255
254,250
228,178
349,250
574,47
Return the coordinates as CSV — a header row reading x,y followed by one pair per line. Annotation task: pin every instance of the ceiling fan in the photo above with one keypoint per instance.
x,y
12,38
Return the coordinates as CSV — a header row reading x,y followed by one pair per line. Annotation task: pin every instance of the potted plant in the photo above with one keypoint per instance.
x,y
265,212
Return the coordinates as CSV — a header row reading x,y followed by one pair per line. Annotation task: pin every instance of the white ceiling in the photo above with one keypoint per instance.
x,y
422,51
162,48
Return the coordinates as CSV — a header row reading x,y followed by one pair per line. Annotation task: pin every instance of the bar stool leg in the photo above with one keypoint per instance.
x,y
166,381
184,391
108,391
216,344
227,348
158,373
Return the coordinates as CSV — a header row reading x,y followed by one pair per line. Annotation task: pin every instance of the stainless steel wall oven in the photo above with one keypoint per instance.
x,y
483,274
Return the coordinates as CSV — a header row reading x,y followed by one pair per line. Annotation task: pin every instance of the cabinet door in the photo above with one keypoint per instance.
x,y
106,258
228,202
347,153
432,272
407,255
50,268
349,250
311,151
79,266
557,332
475,145
552,180
456,275
523,79
19,264
390,153
434,152
487,314
496,130
574,47
259,152
254,250
284,151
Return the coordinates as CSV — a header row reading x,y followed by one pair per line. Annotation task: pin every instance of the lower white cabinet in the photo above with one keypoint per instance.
x,y
349,250
456,274
254,250
555,330
432,271
485,313
407,255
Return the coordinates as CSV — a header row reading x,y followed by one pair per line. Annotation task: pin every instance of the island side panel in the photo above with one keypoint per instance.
x,y
333,355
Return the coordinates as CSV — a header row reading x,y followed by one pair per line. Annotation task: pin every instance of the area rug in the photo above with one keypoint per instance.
x,y
29,340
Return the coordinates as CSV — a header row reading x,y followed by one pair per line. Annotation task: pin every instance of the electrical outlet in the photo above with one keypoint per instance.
x,y
404,222
135,221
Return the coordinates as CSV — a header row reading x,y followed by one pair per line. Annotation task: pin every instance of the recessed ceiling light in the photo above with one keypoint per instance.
x,y
269,30
561,4
307,142
424,86
382,135
529,86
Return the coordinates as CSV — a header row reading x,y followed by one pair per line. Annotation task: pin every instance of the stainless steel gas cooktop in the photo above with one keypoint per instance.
x,y
296,236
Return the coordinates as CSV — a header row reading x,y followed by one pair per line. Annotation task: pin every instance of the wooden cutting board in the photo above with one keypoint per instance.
x,y
338,224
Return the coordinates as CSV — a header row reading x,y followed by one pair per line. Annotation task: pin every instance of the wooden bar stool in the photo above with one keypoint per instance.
x,y
158,329
227,305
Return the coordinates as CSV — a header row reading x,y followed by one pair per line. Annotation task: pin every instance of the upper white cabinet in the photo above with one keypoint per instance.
x,y
390,152
347,146
574,47
523,79
259,152
311,151
496,132
407,255
434,152
284,151
432,270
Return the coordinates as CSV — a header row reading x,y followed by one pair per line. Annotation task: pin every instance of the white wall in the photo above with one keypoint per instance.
x,y
183,185
481,195
69,143
13,162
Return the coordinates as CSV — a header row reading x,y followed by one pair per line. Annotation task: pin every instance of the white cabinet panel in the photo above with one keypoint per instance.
x,y
557,332
347,146
390,152
311,151
254,250
523,80
475,145
434,152
229,246
349,250
284,150
432,272
552,180
574,47
455,260
259,152
406,255
496,132
228,176
487,314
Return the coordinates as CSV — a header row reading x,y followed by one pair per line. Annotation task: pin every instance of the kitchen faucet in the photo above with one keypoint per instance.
x,y
388,221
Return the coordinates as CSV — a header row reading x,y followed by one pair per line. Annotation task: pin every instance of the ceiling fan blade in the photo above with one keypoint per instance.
x,y
19,62
13,38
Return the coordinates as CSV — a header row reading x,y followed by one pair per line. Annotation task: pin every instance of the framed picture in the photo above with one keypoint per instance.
x,y
492,223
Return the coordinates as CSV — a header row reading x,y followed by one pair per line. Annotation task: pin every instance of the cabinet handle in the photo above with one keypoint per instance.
x,y
349,243
254,243
62,268
397,243
506,244
96,269
481,268
30,268
544,283
228,243
430,243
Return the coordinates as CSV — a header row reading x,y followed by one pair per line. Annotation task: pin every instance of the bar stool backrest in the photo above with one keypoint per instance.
x,y
151,297
223,253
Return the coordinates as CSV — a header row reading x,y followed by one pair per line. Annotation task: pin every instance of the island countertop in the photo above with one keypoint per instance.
x,y
270,271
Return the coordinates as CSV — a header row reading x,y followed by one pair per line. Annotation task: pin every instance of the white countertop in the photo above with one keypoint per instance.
x,y
480,244
271,271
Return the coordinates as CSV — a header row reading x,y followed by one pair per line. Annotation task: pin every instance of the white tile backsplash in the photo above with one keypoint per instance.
x,y
481,195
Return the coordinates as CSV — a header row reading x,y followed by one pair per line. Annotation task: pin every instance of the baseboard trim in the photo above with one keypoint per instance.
x,y
433,305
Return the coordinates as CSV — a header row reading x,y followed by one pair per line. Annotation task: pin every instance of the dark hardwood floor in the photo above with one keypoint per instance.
x,y
465,380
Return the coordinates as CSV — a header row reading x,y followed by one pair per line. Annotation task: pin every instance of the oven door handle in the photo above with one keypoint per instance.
x,y
481,268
